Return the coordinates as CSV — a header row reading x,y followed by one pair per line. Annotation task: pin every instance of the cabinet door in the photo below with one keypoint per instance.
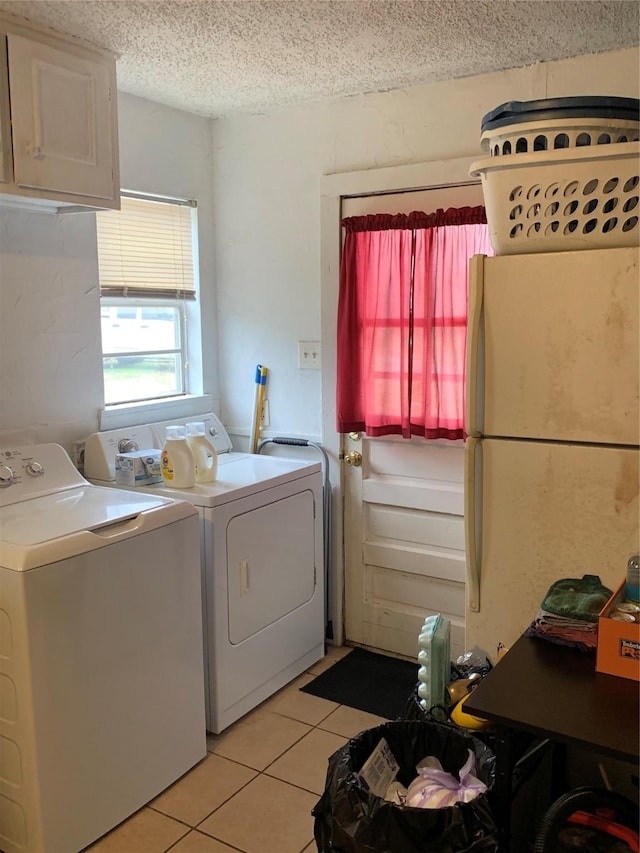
x,y
61,111
5,132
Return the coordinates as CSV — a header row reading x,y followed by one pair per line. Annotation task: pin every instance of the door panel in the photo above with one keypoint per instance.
x,y
403,507
418,528
437,595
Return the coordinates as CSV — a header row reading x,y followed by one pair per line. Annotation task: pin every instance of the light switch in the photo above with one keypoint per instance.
x,y
309,355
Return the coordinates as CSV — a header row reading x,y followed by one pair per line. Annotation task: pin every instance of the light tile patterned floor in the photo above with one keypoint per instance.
x,y
254,791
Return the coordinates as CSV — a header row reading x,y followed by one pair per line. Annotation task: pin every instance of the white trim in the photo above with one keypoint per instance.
x,y
41,205
168,199
132,414
333,188
415,176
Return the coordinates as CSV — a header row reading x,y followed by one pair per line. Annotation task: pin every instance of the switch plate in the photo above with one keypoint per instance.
x,y
309,356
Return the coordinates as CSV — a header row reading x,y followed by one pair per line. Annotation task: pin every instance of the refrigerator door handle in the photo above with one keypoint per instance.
x,y
472,457
475,355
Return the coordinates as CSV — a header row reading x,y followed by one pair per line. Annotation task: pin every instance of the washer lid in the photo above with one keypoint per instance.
x,y
50,517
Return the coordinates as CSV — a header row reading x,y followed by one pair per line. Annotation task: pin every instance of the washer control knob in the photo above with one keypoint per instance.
x,y
35,469
7,476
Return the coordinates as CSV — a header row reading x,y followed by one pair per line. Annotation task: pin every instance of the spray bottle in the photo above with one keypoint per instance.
x,y
176,461
204,453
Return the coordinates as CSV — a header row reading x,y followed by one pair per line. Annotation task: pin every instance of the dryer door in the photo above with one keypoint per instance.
x,y
270,563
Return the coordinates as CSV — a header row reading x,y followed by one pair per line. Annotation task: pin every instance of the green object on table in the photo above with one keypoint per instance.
x,y
577,598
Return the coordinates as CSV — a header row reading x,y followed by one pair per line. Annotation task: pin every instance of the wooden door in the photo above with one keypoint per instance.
x,y
403,507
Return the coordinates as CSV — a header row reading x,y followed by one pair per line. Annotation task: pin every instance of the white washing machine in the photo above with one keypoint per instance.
x,y
261,540
101,694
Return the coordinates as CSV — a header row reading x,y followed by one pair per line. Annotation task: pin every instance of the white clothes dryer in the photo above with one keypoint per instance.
x,y
261,540
101,694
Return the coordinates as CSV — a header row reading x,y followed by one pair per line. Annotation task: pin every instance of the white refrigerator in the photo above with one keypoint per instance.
x,y
551,462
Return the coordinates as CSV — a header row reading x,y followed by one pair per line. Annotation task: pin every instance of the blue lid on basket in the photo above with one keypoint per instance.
x,y
594,106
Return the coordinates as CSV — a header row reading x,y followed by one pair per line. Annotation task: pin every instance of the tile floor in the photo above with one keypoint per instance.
x,y
255,789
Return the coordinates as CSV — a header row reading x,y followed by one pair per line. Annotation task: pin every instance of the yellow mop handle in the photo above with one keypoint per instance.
x,y
261,381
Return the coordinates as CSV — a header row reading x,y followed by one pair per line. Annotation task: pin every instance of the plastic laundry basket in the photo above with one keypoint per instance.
x,y
544,202
562,174
523,127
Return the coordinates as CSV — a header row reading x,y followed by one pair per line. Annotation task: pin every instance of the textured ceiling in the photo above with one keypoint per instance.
x,y
218,57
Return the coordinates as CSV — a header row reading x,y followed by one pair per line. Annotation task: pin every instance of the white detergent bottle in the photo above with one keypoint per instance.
x,y
204,453
176,461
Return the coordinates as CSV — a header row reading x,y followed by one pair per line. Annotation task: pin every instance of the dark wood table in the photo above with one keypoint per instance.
x,y
554,692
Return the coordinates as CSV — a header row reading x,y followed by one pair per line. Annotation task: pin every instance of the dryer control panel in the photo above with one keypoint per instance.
x,y
101,447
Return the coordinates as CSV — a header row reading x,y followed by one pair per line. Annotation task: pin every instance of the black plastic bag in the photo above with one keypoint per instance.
x,y
350,819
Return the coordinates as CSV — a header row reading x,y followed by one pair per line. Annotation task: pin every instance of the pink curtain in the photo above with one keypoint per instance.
x,y
402,321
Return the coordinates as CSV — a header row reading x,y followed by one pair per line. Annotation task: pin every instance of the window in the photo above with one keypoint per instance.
x,y
147,268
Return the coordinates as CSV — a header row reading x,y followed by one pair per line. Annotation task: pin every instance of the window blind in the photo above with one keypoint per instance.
x,y
146,249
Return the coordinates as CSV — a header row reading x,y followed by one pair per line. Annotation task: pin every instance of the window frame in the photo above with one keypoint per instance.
x,y
191,399
139,304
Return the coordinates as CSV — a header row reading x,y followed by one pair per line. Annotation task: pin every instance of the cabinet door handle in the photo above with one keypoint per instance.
x,y
35,151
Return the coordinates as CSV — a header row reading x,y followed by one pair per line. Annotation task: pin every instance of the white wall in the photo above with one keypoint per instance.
x,y
257,180
50,356
169,152
50,359
267,174
273,255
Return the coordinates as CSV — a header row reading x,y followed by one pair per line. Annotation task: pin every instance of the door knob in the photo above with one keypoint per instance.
x,y
352,458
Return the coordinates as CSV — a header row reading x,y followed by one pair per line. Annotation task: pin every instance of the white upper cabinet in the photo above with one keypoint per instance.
x,y
60,147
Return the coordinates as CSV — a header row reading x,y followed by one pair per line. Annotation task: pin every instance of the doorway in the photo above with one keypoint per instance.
x,y
398,549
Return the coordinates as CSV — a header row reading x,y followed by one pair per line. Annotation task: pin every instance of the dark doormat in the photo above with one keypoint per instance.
x,y
370,682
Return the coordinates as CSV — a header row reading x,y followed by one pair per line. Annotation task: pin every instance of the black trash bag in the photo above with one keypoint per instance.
x,y
350,819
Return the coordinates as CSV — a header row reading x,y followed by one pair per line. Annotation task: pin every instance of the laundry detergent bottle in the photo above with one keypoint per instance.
x,y
176,461
204,453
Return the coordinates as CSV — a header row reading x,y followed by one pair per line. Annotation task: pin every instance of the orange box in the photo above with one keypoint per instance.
x,y
618,650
